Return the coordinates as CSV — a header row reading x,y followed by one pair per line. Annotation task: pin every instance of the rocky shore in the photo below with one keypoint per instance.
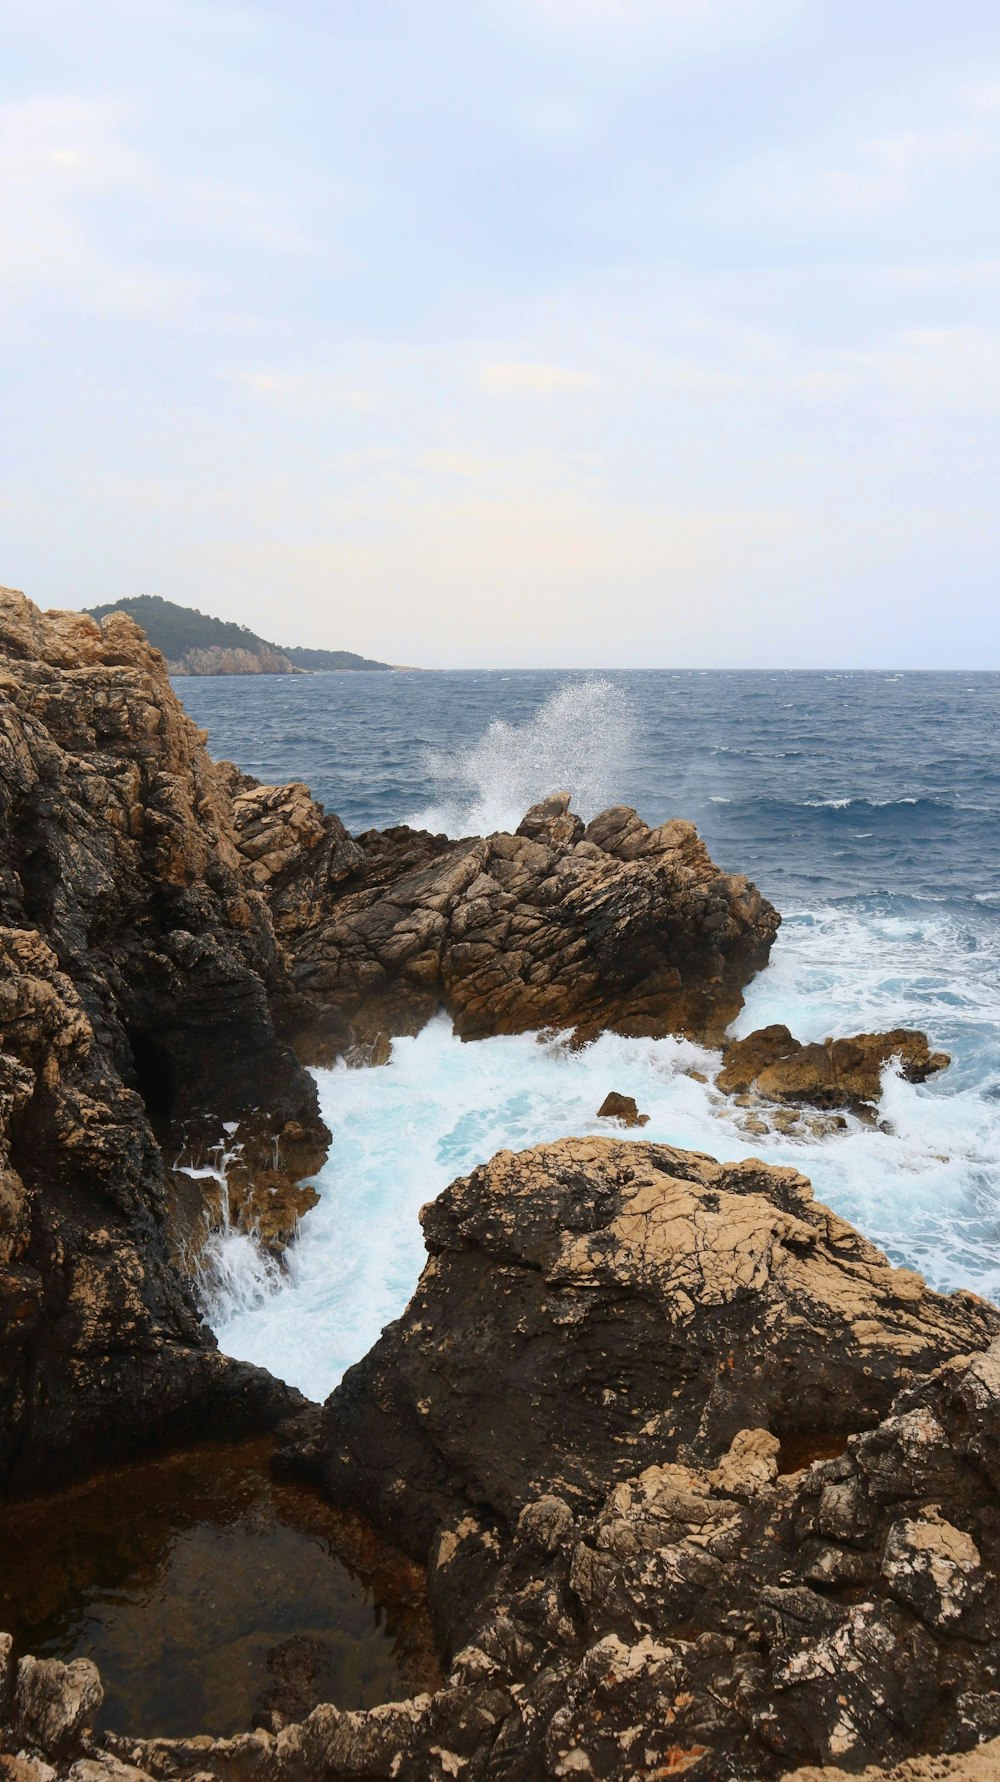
x,y
136,965
702,1484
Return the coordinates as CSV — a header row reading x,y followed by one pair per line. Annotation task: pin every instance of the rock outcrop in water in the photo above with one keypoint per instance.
x,y
839,1073
705,1486
135,964
608,925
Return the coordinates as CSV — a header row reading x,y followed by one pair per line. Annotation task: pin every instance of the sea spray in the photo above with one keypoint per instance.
x,y
580,740
232,1273
869,812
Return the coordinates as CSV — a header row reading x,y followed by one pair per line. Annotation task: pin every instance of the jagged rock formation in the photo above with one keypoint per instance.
x,y
705,1485
840,1073
592,1306
609,925
135,962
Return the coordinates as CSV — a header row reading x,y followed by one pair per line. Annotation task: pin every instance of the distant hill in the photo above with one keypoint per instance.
x,y
195,643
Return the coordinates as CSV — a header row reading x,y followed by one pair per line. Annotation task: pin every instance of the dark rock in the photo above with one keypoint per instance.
x,y
706,1487
595,1304
135,965
622,1108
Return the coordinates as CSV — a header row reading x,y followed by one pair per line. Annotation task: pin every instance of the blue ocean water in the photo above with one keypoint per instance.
x,y
866,806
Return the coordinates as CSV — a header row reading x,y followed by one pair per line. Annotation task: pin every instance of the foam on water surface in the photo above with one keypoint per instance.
x,y
867,809
924,1183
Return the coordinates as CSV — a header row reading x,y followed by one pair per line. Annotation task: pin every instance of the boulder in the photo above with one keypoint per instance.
x,y
621,1108
840,1073
593,1305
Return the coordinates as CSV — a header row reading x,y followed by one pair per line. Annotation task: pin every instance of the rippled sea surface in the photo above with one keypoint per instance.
x,y
866,806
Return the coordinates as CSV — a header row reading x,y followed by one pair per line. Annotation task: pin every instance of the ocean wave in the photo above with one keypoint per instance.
x,y
581,740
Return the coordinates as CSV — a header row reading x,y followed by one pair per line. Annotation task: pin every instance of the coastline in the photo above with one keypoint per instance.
x,y
186,1018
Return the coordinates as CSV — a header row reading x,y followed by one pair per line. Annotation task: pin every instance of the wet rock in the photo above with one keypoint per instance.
x,y
136,965
696,1619
613,926
620,1300
841,1073
622,1108
673,1599
306,1672
54,1703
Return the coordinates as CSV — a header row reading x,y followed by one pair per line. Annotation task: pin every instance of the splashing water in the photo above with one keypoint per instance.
x,y
821,801
919,1183
232,1275
579,741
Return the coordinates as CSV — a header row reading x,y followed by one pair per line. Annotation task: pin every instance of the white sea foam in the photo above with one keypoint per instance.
x,y
923,1183
233,1274
579,741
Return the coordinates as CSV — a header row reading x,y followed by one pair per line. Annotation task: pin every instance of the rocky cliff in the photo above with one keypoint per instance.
x,y
135,965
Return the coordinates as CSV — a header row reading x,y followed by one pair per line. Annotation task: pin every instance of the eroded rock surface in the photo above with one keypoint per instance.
x,y
839,1073
609,925
591,1305
705,1487
135,963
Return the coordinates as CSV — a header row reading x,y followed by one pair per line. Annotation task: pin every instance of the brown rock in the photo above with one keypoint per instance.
x,y
617,926
840,1073
136,961
54,1702
705,1485
622,1108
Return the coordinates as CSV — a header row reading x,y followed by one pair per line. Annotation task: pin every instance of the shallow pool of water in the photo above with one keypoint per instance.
x,y
210,1593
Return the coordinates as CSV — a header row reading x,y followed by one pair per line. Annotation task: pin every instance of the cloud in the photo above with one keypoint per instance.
x,y
89,219
529,377
882,173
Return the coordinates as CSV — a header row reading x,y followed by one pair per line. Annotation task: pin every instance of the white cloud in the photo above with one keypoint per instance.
x,y
881,173
89,219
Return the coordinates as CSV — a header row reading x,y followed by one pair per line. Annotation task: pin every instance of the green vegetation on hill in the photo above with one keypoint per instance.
x,y
195,643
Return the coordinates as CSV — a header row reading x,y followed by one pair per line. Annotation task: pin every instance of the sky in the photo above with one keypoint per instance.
x,y
611,333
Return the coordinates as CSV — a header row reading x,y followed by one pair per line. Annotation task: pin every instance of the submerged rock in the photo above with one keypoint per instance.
x,y
609,926
840,1073
135,964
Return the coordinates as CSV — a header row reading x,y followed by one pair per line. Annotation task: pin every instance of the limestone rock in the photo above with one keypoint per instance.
x,y
840,1073
592,1305
705,1487
54,1702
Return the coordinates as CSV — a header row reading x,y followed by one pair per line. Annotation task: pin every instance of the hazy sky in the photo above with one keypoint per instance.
x,y
561,332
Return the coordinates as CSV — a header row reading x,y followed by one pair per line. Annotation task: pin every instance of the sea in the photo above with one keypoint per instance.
x,y
866,806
